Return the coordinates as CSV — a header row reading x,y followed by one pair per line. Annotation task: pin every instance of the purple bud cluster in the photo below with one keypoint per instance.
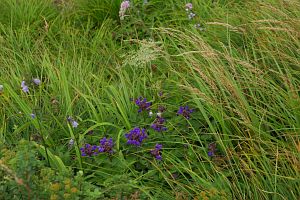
x,y
106,146
156,152
89,150
158,124
142,104
185,111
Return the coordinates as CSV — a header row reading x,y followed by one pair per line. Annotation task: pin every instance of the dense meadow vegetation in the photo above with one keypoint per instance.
x,y
149,99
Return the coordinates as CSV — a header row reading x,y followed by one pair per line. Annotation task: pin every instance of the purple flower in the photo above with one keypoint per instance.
x,y
212,149
36,81
73,122
185,111
32,115
156,152
89,150
158,124
123,7
106,145
136,136
24,87
125,4
23,84
142,104
188,6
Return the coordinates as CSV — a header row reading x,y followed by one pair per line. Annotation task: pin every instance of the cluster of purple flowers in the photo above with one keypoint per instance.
x,y
25,87
191,15
106,146
136,136
185,111
189,10
89,150
158,124
143,104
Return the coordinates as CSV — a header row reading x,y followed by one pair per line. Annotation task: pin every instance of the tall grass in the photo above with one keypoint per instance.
x,y
241,75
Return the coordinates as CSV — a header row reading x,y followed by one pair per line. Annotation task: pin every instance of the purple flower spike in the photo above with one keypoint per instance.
x,y
185,111
156,152
158,124
36,81
89,150
123,7
106,145
142,104
136,136
32,115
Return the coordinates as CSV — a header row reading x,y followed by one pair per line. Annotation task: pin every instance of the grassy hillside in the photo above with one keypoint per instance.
x,y
201,100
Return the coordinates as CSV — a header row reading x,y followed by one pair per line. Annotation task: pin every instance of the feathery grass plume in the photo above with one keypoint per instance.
x,y
148,51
